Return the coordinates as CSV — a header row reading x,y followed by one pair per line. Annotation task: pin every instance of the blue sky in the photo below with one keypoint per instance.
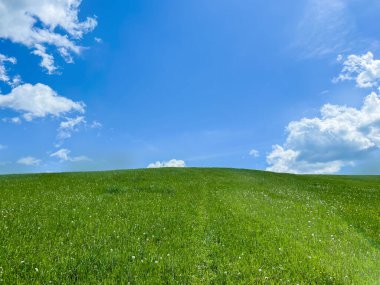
x,y
94,86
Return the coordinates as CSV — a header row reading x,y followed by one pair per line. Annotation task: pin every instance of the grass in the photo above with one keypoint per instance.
x,y
189,226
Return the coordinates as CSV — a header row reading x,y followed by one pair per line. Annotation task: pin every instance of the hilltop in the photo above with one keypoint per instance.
x,y
189,226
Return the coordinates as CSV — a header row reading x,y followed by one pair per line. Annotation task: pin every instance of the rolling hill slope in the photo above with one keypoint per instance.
x,y
189,226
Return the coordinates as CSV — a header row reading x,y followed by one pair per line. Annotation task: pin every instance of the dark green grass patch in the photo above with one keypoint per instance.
x,y
189,226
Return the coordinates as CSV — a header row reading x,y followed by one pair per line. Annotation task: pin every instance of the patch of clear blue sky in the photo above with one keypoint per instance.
x,y
202,81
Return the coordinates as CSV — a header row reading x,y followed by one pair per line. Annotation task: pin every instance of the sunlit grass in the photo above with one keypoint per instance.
x,y
189,226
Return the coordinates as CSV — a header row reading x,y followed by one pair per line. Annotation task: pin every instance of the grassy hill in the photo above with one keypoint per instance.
x,y
189,226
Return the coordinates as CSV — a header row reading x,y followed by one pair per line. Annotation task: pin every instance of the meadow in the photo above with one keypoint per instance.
x,y
189,226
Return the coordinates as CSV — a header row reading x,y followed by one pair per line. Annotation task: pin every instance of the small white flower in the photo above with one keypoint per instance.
x,y
36,269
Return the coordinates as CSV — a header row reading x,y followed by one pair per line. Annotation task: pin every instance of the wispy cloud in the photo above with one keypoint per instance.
x,y
64,155
324,28
66,128
254,153
3,71
29,161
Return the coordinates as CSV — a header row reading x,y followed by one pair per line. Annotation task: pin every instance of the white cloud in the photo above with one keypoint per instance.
x,y
41,23
71,125
38,100
254,153
16,80
47,28
47,59
66,128
14,120
64,155
29,161
363,69
287,161
95,125
3,71
340,137
170,163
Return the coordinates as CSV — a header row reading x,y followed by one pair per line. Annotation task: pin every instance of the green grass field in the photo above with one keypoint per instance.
x,y
189,226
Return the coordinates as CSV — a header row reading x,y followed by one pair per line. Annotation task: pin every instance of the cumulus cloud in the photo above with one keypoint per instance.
x,y
29,161
170,163
287,161
64,155
339,137
47,28
39,100
363,69
38,24
254,153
